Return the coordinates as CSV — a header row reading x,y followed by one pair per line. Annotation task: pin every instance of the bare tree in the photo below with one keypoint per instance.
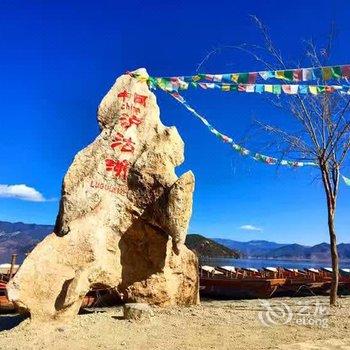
x,y
322,128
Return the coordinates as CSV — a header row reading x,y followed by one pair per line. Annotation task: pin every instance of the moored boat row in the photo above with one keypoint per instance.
x,y
235,282
227,282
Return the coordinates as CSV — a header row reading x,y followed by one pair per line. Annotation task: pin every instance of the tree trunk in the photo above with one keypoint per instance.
x,y
331,189
335,258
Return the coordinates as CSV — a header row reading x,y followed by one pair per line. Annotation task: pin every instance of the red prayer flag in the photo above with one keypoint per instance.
x,y
297,74
252,78
345,71
242,87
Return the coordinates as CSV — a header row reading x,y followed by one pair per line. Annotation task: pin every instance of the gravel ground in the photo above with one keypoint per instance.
x,y
291,323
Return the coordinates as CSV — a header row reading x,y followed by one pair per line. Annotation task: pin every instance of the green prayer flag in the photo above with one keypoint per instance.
x,y
152,83
336,72
198,77
288,75
259,157
277,89
243,78
215,132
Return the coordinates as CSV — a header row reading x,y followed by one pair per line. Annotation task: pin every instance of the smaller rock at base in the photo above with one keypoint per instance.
x,y
137,311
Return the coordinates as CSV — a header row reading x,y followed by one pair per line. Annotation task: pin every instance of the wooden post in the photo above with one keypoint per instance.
x,y
13,262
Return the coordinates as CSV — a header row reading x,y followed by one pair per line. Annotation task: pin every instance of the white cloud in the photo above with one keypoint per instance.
x,y
250,228
22,192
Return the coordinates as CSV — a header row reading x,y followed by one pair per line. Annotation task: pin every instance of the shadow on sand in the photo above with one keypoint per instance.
x,y
8,322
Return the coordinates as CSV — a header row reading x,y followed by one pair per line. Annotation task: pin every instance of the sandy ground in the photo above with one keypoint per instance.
x,y
212,325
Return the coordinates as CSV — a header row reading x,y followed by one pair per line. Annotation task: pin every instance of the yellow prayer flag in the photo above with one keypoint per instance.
x,y
326,73
234,77
225,87
268,88
279,74
142,78
313,89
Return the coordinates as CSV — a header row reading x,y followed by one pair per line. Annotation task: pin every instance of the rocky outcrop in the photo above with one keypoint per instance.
x,y
137,311
123,216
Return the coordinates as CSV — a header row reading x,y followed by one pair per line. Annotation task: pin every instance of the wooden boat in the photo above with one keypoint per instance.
x,y
209,271
5,269
345,272
304,287
234,282
272,272
293,273
5,305
6,272
230,271
344,281
239,288
223,282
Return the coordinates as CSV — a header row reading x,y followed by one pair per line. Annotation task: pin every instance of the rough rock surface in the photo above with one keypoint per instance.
x,y
123,216
137,311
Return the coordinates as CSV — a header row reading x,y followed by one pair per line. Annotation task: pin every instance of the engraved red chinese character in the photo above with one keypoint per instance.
x,y
125,144
140,99
127,121
124,95
121,168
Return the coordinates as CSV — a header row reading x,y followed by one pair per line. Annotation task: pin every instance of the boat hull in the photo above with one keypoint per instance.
x,y
239,288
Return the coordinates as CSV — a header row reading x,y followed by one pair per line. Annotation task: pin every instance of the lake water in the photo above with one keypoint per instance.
x,y
260,263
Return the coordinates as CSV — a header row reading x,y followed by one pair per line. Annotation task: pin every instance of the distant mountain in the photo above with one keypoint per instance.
x,y
344,250
272,250
205,247
251,248
19,238
290,251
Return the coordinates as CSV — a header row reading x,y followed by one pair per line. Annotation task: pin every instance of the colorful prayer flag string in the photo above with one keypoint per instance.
x,y
295,75
286,88
277,89
238,148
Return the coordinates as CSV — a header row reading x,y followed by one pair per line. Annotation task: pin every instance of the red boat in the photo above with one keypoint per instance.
x,y
236,283
222,282
5,304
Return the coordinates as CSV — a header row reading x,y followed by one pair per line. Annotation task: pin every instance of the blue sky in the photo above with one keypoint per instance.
x,y
59,58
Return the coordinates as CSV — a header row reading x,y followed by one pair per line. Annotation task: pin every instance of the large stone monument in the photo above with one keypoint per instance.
x,y
123,216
